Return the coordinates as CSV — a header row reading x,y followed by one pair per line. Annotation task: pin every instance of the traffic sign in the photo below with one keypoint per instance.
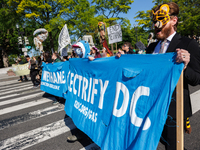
x,y
24,49
28,47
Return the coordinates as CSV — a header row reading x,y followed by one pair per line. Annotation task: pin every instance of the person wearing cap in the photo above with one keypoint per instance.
x,y
165,18
82,50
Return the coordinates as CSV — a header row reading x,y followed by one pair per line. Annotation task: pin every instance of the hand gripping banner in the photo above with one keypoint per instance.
x,y
122,105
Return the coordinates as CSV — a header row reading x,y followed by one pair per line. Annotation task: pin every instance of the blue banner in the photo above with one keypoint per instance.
x,y
53,80
122,103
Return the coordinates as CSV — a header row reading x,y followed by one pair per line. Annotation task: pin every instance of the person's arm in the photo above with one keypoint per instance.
x,y
91,58
120,52
191,59
192,72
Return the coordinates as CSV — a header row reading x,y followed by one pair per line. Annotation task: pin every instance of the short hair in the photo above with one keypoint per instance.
x,y
57,54
129,45
27,56
173,11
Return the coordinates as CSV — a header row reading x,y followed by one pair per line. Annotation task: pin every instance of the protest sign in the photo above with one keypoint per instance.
x,y
53,79
122,105
21,70
114,34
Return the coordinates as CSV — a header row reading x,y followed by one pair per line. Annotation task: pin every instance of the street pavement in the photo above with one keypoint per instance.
x,y
29,120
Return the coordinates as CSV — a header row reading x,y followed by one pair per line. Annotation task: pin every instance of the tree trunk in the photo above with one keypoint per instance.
x,y
5,57
1,60
51,41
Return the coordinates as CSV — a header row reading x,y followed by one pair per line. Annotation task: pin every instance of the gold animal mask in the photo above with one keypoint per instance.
x,y
161,17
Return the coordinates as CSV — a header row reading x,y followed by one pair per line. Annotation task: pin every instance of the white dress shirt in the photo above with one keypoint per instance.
x,y
157,48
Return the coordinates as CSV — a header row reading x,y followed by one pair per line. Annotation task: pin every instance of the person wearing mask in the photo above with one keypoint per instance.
x,y
82,50
187,52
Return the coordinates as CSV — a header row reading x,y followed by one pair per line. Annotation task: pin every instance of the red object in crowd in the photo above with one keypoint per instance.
x,y
106,46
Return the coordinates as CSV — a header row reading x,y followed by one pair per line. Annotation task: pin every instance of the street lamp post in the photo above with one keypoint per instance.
x,y
22,39
136,28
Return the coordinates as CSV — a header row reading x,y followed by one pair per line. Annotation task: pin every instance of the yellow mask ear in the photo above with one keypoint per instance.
x,y
165,7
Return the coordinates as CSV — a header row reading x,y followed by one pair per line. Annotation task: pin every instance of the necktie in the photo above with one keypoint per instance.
x,y
162,46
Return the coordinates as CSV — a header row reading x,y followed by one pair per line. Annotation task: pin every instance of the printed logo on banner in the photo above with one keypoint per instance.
x,y
53,79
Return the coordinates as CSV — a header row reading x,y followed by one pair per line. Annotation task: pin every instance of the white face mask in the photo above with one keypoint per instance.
x,y
78,51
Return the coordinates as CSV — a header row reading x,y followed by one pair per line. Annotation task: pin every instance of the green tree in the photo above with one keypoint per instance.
x,y
8,33
144,19
110,9
189,16
53,15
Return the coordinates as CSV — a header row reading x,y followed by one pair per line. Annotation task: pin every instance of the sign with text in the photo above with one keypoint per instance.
x,y
53,79
24,49
114,34
21,70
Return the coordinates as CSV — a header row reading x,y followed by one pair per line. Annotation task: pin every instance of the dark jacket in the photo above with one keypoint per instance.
x,y
191,73
57,60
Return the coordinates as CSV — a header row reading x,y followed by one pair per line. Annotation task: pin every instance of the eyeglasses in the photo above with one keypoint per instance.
x,y
124,45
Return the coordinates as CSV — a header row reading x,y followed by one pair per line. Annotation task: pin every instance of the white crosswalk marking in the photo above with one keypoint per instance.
x,y
32,115
20,105
35,136
20,99
195,99
5,88
15,85
23,106
17,94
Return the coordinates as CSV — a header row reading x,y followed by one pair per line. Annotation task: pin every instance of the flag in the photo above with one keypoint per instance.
x,y
64,38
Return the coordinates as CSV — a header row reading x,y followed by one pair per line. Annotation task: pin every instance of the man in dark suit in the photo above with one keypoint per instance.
x,y
165,18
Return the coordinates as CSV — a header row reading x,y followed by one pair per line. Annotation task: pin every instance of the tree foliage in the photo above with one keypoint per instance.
x,y
54,14
8,33
189,16
110,9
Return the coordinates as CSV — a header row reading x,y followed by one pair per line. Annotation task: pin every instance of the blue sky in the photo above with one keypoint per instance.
x,y
137,5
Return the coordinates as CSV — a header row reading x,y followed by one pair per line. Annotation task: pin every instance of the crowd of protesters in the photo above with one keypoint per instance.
x,y
188,54
35,63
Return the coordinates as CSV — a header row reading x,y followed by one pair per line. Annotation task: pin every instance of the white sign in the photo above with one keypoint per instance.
x,y
24,49
114,34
